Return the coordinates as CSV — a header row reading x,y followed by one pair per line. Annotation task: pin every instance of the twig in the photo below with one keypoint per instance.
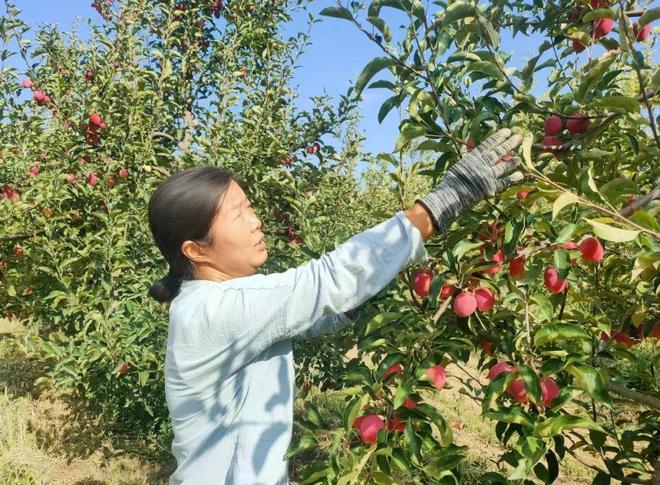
x,y
650,401
640,201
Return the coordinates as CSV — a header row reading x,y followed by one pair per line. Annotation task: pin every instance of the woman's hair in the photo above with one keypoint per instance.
x,y
183,208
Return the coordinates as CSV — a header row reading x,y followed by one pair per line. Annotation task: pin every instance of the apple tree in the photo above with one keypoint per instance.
x,y
550,289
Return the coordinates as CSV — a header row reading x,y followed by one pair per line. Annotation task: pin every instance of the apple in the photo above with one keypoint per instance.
x,y
95,119
409,403
123,173
395,424
438,376
393,369
522,194
34,171
498,257
369,427
447,290
577,123
465,304
422,281
124,369
111,182
470,144
641,35
553,125
92,179
499,368
18,251
485,299
489,232
517,267
552,281
27,83
89,75
549,391
591,249
578,46
623,338
517,390
486,345
551,141
655,332
603,27
599,3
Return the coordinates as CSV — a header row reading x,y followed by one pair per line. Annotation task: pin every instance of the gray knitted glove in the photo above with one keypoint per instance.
x,y
475,177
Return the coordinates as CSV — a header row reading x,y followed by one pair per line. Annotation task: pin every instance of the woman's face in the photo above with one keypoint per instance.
x,y
239,248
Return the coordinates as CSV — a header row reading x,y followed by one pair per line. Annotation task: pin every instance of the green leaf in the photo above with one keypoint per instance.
x,y
617,103
558,332
649,16
381,26
338,12
457,11
611,233
562,201
463,247
590,380
371,69
566,233
486,67
510,415
387,106
532,383
380,320
544,303
411,440
528,141
402,391
557,424
599,13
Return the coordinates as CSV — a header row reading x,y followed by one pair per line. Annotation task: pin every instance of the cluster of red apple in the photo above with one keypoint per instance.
x,y
549,388
95,124
9,192
577,123
291,229
288,160
93,179
369,425
623,337
602,27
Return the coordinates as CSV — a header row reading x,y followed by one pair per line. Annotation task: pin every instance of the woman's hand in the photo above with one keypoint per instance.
x,y
478,175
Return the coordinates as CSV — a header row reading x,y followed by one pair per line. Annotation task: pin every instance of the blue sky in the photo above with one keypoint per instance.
x,y
337,54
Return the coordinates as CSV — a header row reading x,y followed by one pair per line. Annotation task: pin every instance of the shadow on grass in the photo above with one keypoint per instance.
x,y
68,427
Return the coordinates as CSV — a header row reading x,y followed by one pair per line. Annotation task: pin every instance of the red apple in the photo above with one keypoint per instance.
x,y
655,332
485,299
498,257
549,391
470,144
553,125
551,141
369,428
111,182
89,75
438,376
486,345
499,368
447,290
395,424
517,390
522,195
393,369
578,46
422,281
591,249
465,304
624,338
124,369
34,171
552,281
27,83
358,421
517,267
603,27
92,179
123,173
577,123
18,251
95,119
409,403
641,35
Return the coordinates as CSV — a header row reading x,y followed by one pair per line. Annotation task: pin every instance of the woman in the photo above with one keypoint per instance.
x,y
229,376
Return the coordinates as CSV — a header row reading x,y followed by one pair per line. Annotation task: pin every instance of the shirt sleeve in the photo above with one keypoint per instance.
x,y
326,325
242,317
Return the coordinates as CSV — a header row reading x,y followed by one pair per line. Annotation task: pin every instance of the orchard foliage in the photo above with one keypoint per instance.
x,y
554,283
90,127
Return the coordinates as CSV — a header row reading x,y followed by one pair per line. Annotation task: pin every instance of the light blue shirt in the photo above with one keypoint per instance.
x,y
229,376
